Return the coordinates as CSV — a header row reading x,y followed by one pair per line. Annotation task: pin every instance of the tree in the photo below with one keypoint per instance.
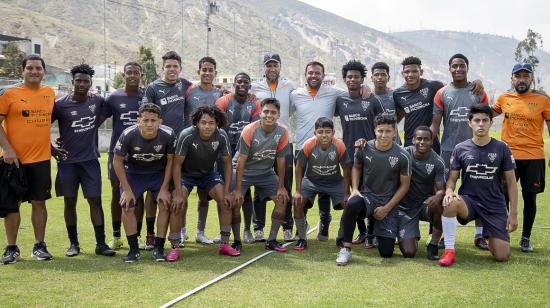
x,y
12,64
529,46
118,80
147,62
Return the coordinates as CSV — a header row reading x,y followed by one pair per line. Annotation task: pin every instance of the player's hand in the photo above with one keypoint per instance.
x,y
477,88
360,143
238,197
10,157
512,223
450,197
297,199
355,193
365,92
177,200
346,198
433,201
59,153
282,195
228,200
127,199
164,196
381,212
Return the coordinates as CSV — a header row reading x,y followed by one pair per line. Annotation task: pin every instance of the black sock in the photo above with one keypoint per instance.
x,y
133,242
159,242
116,228
11,247
99,234
150,221
73,235
139,227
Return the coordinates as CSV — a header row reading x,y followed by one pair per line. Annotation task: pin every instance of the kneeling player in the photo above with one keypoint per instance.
x,y
197,149
148,148
322,156
483,161
423,200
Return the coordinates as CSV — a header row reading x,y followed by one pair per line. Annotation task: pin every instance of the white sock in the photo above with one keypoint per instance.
x,y
449,231
479,230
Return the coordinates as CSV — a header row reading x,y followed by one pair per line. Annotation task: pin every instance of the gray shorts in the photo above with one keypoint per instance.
x,y
386,227
265,185
408,222
335,190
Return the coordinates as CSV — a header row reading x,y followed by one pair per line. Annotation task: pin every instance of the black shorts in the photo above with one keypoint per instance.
x,y
531,174
40,181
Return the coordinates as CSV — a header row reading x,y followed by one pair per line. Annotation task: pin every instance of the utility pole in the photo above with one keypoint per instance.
x,y
211,9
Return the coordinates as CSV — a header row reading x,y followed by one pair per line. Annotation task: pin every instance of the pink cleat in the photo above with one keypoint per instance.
x,y
173,255
448,258
227,250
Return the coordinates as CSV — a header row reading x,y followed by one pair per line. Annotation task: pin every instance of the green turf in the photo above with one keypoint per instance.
x,y
308,278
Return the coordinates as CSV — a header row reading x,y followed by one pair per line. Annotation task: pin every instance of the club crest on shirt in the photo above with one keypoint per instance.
x,y
492,156
277,137
249,109
424,92
92,108
332,155
532,106
365,105
393,161
429,168
137,149
158,147
215,145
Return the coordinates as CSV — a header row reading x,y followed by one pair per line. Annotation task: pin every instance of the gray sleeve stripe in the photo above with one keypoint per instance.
x,y
180,144
408,163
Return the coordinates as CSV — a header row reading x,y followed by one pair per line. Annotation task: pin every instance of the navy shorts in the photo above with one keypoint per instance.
x,y
140,183
71,175
204,183
494,223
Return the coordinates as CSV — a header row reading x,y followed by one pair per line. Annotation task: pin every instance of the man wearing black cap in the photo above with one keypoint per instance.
x,y
525,112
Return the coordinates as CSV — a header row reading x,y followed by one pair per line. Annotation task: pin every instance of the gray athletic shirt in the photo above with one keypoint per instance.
x,y
282,93
196,97
382,171
323,166
200,155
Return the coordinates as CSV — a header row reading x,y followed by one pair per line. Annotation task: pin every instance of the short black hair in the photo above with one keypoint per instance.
x,y
150,107
315,63
380,65
82,69
354,65
207,60
271,101
133,63
385,118
459,56
480,108
212,111
411,61
324,122
33,57
423,128
242,74
171,55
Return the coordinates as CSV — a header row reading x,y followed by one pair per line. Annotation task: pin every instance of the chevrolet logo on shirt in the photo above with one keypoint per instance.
x,y
481,169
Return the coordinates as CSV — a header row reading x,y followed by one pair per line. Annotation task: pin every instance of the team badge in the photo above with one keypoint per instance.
x,y
74,112
92,108
492,156
332,155
365,105
137,149
158,147
393,161
429,168
277,137
424,92
215,145
249,109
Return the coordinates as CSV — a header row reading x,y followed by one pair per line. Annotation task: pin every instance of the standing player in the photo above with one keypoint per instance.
x,y
148,149
78,117
452,104
240,111
25,114
321,157
197,150
262,142
123,105
380,78
386,176
483,163
357,118
525,112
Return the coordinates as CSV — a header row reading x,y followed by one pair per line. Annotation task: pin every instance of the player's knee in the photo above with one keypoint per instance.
x,y
408,252
502,257
385,247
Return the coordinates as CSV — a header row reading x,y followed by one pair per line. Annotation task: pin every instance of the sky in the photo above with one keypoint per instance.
x,y
506,18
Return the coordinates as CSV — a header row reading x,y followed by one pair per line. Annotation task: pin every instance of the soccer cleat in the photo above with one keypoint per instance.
x,y
300,245
141,244
370,242
104,250
150,241
448,258
227,250
173,255
259,236
40,252
202,239
248,237
344,257
218,239
11,255
275,246
525,245
158,254
237,245
115,243
481,243
132,256
359,239
322,235
183,234
287,235
432,252
73,250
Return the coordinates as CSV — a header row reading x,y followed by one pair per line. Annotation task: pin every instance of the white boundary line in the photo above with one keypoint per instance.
x,y
224,275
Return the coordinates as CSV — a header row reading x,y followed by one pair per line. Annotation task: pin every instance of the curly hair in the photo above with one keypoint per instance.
x,y
82,69
212,111
354,65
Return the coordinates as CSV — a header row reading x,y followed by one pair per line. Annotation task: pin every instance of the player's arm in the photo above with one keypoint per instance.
x,y
450,194
436,199
177,162
10,156
164,193
381,211
281,168
356,171
228,175
298,171
478,87
399,113
239,170
347,180
436,123
127,197
512,223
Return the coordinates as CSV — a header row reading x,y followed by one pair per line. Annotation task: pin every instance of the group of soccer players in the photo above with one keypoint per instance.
x,y
173,136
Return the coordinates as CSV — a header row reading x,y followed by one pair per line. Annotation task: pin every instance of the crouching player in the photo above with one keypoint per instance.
x,y
483,162
321,157
197,149
143,162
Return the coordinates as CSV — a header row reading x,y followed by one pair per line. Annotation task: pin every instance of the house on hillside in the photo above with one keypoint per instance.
x,y
33,45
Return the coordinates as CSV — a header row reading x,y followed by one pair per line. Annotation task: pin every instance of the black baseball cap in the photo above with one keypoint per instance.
x,y
522,67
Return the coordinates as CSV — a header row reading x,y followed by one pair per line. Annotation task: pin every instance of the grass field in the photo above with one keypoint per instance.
x,y
308,278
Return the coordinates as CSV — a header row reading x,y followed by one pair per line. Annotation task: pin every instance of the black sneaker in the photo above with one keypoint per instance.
x,y
104,250
158,254
275,246
432,252
237,245
73,251
11,255
525,245
300,245
40,252
360,239
132,256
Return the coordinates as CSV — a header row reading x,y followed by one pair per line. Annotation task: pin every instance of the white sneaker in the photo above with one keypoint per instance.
x,y
344,256
201,238
287,235
217,239
183,234
259,236
248,238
